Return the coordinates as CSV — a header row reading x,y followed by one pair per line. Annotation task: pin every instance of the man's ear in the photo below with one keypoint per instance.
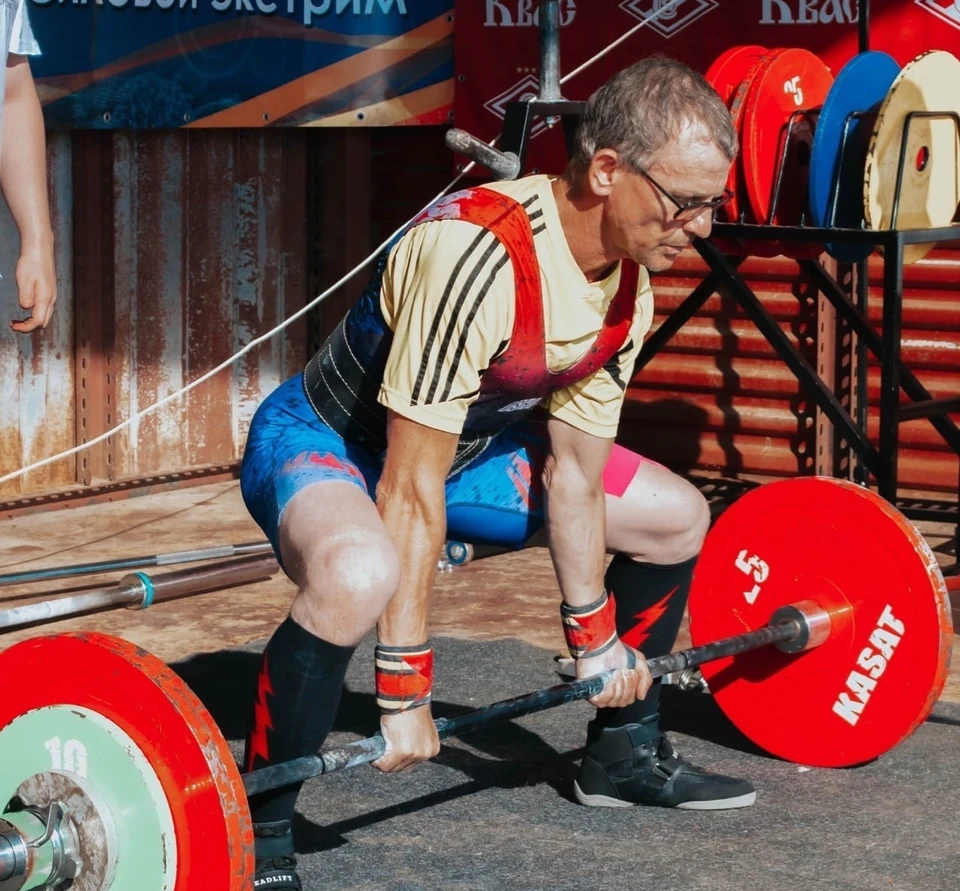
x,y
603,171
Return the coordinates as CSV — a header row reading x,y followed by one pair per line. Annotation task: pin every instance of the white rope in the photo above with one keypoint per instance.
x,y
667,7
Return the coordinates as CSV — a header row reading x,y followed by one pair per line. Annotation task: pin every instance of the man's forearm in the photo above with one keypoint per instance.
x,y
417,531
23,166
576,534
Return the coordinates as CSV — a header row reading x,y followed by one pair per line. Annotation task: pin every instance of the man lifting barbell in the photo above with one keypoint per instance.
x,y
475,390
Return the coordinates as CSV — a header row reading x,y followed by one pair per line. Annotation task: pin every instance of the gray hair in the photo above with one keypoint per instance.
x,y
641,109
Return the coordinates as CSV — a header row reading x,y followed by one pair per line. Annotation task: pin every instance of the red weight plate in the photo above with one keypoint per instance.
x,y
737,182
729,71
176,734
739,206
792,81
885,662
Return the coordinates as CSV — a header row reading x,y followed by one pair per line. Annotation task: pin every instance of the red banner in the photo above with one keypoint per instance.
x,y
497,44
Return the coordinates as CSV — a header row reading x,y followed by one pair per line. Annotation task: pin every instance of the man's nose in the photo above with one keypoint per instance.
x,y
701,224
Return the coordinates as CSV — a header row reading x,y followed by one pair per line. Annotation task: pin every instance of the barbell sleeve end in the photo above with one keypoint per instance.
x,y
503,165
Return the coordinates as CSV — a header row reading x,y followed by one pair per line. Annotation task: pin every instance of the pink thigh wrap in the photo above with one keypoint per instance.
x,y
621,468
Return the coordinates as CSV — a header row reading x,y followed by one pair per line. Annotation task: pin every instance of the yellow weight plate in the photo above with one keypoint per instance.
x,y
930,191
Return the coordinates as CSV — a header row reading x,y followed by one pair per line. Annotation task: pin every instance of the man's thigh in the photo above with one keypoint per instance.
x,y
653,514
289,450
498,499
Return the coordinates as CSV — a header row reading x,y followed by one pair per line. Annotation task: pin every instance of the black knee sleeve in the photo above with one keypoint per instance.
x,y
296,699
650,600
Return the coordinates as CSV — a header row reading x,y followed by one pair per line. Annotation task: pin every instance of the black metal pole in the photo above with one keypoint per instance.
x,y
365,750
863,396
679,317
863,21
549,13
796,362
856,317
890,368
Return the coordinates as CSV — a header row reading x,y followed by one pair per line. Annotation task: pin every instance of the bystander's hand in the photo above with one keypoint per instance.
x,y
37,286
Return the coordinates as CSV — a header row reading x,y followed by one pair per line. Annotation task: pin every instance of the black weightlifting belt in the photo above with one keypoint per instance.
x,y
343,392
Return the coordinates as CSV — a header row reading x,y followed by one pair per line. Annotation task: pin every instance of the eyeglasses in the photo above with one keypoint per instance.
x,y
689,210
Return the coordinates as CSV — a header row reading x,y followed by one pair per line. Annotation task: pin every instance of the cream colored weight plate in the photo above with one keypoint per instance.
x,y
931,178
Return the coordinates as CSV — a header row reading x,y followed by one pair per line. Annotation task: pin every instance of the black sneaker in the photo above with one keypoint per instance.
x,y
621,768
276,866
278,873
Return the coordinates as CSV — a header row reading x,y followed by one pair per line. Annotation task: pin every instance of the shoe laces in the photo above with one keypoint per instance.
x,y
276,863
672,761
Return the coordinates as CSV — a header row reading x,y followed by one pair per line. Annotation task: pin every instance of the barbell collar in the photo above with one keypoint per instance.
x,y
14,857
813,622
287,773
196,580
19,833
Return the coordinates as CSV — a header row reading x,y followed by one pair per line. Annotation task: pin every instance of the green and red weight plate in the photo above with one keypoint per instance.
x,y
885,662
122,724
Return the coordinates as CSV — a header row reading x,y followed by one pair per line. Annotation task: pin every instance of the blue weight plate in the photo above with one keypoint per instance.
x,y
861,86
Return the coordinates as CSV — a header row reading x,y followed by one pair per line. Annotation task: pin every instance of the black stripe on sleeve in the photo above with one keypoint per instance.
x,y
455,315
462,343
435,324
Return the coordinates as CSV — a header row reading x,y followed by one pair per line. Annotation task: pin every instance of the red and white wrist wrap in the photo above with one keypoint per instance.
x,y
404,677
592,629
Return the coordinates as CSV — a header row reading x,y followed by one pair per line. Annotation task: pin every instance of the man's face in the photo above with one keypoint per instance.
x,y
640,220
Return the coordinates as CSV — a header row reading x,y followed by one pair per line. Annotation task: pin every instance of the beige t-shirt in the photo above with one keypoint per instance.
x,y
448,297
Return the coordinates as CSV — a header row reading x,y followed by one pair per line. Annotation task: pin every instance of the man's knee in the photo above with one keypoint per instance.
x,y
699,511
666,524
353,578
689,523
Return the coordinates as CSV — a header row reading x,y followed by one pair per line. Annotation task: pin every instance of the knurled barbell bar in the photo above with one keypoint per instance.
x,y
139,590
792,628
116,776
170,558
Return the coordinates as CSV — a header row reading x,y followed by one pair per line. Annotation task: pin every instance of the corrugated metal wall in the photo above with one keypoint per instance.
x,y
717,396
175,249
37,371
930,347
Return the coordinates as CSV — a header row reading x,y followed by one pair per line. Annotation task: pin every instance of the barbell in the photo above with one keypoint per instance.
x,y
172,558
834,639
141,591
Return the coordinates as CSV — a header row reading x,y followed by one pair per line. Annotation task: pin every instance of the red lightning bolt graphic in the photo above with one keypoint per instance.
x,y
262,722
646,619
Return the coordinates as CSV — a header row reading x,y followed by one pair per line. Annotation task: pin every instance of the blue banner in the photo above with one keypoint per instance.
x,y
243,63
